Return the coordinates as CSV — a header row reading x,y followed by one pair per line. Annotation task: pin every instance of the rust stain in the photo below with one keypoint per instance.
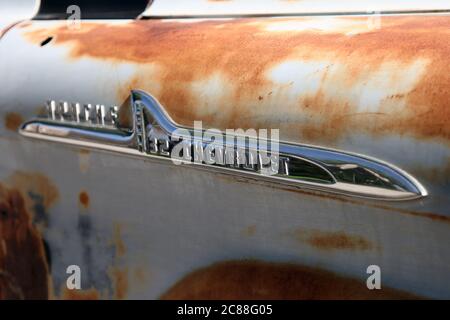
x,y
119,277
84,160
84,151
13,120
319,71
24,199
39,192
84,199
118,241
334,240
251,280
87,294
23,264
249,231
118,272
36,183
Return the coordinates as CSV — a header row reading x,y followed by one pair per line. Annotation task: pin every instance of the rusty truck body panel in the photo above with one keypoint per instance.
x,y
142,228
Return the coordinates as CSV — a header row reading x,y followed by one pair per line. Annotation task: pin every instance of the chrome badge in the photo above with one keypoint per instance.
x,y
143,128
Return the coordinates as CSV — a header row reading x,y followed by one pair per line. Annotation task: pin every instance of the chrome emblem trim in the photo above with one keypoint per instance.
x,y
143,128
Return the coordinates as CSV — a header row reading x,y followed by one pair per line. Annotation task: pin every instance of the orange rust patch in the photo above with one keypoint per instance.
x,y
120,282
252,280
13,120
243,51
23,261
84,199
89,294
118,241
119,273
33,183
23,265
333,240
84,151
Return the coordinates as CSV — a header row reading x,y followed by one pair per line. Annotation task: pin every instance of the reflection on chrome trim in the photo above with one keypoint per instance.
x,y
151,134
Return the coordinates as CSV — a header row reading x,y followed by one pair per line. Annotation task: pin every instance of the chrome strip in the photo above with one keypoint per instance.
x,y
151,135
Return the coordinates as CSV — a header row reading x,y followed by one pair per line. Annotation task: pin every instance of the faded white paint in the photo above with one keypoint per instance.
x,y
242,7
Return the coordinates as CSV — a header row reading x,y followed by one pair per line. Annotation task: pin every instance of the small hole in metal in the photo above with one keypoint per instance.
x,y
43,43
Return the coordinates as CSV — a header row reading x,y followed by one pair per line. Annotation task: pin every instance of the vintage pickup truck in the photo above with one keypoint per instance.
x,y
113,166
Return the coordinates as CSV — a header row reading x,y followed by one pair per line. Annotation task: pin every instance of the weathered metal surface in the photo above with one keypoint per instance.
x,y
249,280
23,261
137,227
160,241
317,79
